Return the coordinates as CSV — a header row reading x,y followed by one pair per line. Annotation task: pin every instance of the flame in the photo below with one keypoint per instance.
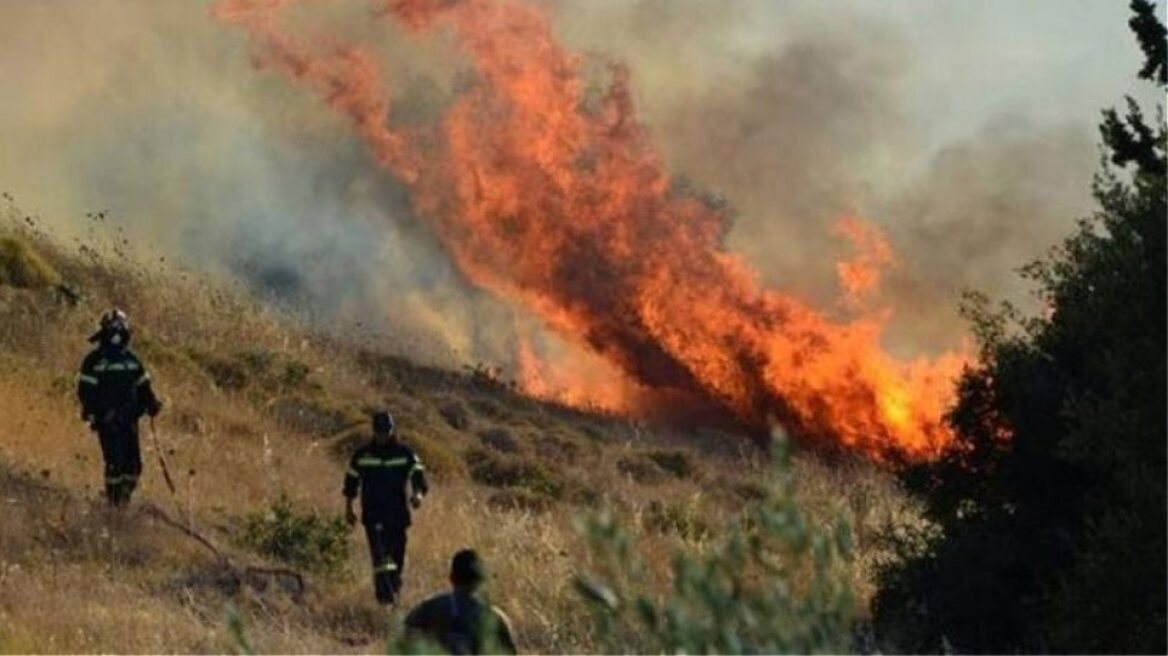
x,y
574,379
548,192
860,276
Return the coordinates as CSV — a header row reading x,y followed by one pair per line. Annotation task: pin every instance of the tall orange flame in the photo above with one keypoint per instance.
x,y
550,194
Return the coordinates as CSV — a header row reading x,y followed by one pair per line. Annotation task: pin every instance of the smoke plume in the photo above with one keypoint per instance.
x,y
157,113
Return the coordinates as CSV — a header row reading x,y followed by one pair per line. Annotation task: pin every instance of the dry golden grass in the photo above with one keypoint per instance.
x,y
74,577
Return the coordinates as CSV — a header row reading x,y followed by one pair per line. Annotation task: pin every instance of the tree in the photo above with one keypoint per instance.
x,y
1053,507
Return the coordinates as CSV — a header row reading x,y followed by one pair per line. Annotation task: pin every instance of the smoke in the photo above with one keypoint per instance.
x,y
154,112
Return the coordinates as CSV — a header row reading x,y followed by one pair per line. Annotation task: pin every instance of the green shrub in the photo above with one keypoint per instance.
x,y
259,370
455,414
678,463
682,520
641,469
21,266
499,439
776,583
499,471
518,499
438,458
303,539
228,374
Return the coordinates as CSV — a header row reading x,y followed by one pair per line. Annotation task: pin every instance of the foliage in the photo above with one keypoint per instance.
x,y
303,539
1052,509
21,266
494,470
776,583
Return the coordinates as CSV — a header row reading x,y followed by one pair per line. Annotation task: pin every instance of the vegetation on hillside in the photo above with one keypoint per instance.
x,y
1052,511
261,415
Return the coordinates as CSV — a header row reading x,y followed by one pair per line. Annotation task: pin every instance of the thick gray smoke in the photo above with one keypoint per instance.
x,y
795,114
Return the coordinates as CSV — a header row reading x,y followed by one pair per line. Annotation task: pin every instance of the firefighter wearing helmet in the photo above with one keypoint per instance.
x,y
115,391
390,479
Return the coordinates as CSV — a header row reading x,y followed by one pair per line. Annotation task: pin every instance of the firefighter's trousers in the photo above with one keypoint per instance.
x,y
387,550
123,460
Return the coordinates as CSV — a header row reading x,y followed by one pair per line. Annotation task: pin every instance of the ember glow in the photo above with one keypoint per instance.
x,y
547,191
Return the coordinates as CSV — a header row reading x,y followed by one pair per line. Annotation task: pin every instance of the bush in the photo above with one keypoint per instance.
x,y
682,520
306,540
499,439
498,471
777,583
437,457
677,463
455,414
21,266
641,470
258,370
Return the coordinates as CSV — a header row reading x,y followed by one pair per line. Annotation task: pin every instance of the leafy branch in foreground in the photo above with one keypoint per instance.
x,y
778,581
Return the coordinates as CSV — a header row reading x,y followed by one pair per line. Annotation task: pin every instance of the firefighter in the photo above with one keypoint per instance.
x,y
115,391
460,621
386,472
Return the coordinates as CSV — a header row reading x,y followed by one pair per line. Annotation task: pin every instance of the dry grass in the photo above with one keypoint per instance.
x,y
258,406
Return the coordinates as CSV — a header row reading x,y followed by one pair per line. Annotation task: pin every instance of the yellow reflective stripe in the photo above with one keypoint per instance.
x,y
378,462
87,379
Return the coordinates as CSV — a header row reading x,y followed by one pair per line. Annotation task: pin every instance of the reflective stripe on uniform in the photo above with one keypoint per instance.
x,y
378,462
87,379
124,478
353,472
105,365
387,566
143,378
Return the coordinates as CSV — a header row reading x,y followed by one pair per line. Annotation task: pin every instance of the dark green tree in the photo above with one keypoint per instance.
x,y
1053,508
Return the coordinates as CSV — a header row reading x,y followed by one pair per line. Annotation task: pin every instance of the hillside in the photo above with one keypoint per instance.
x,y
259,406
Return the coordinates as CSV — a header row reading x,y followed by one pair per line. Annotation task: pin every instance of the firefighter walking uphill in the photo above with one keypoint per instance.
x,y
115,391
385,471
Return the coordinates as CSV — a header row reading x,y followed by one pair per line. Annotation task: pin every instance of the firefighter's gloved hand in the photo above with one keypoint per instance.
x,y
350,516
416,501
154,408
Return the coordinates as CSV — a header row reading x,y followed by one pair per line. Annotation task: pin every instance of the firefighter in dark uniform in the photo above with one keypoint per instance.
x,y
387,473
115,392
461,621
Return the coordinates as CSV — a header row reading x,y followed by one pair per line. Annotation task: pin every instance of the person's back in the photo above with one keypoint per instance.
x,y
460,621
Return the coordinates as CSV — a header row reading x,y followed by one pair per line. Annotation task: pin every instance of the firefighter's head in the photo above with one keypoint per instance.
x,y
383,426
113,330
466,571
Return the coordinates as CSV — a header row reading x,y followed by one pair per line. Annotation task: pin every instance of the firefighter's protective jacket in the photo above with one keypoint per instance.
x,y
382,472
114,384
